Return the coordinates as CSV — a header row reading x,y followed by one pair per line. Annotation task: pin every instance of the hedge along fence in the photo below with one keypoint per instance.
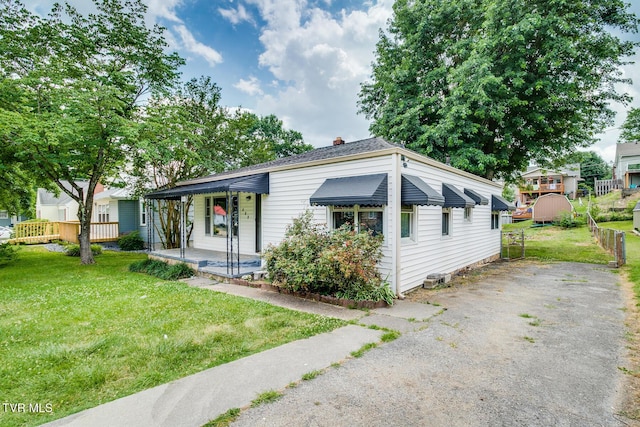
x,y
611,240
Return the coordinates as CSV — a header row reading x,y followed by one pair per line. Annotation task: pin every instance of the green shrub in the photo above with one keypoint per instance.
x,y
568,220
340,262
74,250
8,253
131,242
161,269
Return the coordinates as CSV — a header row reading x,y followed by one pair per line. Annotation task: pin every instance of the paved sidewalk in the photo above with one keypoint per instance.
x,y
194,400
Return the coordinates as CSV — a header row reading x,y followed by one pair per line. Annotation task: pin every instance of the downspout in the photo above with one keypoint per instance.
x,y
396,208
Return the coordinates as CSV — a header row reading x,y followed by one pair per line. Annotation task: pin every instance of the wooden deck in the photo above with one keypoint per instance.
x,y
45,232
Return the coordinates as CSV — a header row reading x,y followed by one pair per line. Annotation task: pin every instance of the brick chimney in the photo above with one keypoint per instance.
x,y
338,141
99,188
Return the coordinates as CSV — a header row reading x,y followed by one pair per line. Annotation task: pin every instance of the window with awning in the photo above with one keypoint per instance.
x,y
499,204
454,198
414,191
478,198
362,190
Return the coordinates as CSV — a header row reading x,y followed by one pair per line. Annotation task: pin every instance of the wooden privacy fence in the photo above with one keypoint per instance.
x,y
611,240
606,186
44,232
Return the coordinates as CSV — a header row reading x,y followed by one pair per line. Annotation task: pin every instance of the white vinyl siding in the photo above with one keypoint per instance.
x,y
292,189
467,243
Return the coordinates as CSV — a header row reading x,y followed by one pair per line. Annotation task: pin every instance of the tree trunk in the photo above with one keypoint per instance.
x,y
86,256
85,209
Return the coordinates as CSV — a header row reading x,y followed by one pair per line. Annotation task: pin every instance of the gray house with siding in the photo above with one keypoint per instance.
x,y
119,205
435,219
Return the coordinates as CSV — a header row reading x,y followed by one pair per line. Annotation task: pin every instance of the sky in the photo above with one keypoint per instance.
x,y
301,60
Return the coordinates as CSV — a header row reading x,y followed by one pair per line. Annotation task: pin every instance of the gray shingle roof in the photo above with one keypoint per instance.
x,y
324,153
48,198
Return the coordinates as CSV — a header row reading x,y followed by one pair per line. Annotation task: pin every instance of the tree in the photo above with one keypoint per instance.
x,y
71,86
253,139
177,142
592,166
493,84
631,126
186,135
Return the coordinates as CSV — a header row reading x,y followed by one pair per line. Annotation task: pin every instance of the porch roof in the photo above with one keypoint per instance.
x,y
365,190
257,183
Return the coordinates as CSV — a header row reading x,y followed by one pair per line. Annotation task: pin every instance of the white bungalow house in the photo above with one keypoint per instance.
x,y
435,219
61,207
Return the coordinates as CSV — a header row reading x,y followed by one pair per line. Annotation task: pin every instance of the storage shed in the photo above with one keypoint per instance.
x,y
636,216
550,207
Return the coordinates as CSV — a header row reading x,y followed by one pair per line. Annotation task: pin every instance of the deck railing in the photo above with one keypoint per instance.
x,y
68,231
543,188
36,232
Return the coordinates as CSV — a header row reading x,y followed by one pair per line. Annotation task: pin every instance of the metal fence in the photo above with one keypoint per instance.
x,y
611,240
512,244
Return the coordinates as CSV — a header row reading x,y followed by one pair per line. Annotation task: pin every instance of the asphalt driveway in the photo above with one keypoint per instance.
x,y
537,345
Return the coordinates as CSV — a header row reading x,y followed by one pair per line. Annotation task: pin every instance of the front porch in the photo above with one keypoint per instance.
x,y
214,263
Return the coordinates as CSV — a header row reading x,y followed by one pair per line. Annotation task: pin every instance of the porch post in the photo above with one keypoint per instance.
x,y
183,226
150,225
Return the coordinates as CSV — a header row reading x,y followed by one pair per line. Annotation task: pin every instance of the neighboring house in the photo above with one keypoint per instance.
x,y
59,208
538,181
119,205
7,220
626,166
435,219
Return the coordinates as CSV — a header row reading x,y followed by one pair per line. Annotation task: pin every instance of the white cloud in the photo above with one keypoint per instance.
x,y
320,60
163,9
236,16
250,86
192,45
606,146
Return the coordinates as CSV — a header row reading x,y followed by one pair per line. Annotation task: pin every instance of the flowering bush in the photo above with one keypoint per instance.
x,y
339,262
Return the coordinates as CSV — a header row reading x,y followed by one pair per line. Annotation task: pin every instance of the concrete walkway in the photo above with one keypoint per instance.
x,y
194,400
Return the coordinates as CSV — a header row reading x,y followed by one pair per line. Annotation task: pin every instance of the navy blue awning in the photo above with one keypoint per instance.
x,y
258,184
477,197
364,190
500,204
414,191
454,198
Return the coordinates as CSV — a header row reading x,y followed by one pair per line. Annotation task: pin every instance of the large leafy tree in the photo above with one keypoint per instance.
x,y
592,166
188,134
253,139
631,126
177,142
71,86
493,84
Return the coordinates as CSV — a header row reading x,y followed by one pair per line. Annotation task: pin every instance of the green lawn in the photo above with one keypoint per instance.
x,y
576,244
551,243
73,336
